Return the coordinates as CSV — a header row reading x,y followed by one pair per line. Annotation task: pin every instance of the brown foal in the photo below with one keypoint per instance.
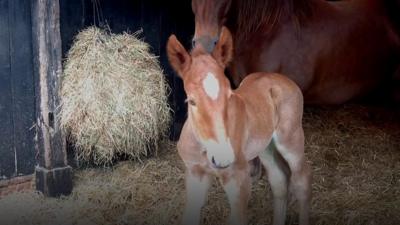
x,y
226,129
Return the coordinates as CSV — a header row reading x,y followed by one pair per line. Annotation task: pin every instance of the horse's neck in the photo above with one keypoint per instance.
x,y
266,16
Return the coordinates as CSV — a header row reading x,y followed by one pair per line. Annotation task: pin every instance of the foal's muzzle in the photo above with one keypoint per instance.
x,y
217,165
220,155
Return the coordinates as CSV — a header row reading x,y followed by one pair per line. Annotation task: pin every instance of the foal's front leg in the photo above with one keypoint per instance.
x,y
197,185
238,189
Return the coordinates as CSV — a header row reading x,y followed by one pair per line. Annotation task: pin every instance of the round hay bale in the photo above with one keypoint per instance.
x,y
113,97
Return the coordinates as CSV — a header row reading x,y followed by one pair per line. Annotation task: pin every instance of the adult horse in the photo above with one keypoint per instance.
x,y
226,129
334,51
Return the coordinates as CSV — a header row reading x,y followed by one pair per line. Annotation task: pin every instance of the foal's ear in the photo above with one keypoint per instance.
x,y
178,57
223,51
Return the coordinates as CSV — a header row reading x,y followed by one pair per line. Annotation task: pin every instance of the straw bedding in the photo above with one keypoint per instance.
x,y
113,97
354,152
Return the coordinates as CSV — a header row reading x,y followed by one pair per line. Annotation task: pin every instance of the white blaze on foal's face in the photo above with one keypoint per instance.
x,y
211,86
219,150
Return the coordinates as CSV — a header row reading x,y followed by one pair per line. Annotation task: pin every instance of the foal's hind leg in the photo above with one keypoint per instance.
x,y
278,181
290,144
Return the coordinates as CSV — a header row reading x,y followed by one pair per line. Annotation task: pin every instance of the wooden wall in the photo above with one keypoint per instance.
x,y
17,98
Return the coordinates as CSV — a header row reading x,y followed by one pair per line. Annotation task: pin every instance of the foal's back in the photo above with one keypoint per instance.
x,y
271,99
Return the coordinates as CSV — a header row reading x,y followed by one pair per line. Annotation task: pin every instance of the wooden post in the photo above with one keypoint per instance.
x,y
53,175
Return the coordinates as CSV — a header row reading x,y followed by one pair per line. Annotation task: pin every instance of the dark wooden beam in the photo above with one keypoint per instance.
x,y
53,175
7,154
22,85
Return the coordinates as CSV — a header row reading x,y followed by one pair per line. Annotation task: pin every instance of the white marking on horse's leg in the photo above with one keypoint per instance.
x,y
196,193
279,184
238,190
211,86
291,147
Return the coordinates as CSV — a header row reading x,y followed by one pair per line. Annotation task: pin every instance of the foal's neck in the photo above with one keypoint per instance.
x,y
237,117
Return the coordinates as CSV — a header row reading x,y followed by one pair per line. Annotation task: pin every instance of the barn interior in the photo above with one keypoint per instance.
x,y
353,149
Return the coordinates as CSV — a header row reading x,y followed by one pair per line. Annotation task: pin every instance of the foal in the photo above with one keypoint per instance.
x,y
226,129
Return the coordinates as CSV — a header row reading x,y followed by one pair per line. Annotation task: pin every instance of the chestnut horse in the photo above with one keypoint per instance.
x,y
226,129
334,51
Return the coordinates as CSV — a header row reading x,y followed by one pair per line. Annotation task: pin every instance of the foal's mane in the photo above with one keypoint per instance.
x,y
251,15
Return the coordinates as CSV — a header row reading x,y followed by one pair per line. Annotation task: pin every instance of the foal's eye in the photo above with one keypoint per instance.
x,y
191,102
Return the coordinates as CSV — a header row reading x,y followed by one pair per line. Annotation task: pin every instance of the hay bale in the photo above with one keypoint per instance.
x,y
113,97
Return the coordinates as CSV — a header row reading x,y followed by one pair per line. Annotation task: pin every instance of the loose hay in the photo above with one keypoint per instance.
x,y
113,97
354,152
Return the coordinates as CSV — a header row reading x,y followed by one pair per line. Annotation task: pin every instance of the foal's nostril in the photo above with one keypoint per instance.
x,y
213,161
193,43
216,165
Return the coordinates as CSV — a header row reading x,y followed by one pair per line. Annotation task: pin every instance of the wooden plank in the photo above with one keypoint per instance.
x,y
183,21
7,159
150,22
23,85
48,69
122,15
72,20
168,27
52,174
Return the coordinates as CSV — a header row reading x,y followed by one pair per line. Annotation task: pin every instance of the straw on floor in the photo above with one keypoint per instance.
x,y
354,152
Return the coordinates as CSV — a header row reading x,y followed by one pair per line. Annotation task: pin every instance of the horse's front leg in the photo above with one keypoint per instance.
x,y
238,190
197,185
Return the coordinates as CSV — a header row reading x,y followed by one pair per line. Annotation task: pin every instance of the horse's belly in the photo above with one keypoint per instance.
x,y
337,76
280,55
